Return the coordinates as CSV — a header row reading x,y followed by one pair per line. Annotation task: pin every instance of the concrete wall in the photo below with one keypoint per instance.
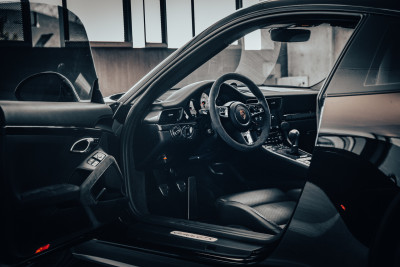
x,y
318,55
120,68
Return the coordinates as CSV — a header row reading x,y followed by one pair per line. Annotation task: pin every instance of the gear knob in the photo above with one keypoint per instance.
x,y
293,137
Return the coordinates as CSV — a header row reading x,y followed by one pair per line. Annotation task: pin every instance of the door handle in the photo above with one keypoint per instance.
x,y
84,145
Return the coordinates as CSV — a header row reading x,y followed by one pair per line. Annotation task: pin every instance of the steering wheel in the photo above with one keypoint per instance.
x,y
249,123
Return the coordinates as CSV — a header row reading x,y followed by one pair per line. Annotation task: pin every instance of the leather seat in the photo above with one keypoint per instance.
x,y
265,210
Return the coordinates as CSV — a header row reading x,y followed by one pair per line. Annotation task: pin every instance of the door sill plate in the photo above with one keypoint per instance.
x,y
194,236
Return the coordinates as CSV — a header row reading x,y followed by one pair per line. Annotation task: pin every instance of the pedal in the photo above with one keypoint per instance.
x,y
217,168
164,189
181,185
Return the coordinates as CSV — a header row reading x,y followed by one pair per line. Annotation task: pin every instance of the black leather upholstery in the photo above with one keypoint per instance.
x,y
265,210
36,113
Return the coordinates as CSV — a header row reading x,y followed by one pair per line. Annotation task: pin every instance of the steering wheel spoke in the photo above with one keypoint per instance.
x,y
256,110
248,138
223,111
257,114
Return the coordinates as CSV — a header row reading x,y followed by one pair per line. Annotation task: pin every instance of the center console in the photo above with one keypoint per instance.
x,y
279,143
283,141
303,158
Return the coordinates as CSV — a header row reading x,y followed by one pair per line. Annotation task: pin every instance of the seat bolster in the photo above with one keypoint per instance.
x,y
279,213
257,197
231,212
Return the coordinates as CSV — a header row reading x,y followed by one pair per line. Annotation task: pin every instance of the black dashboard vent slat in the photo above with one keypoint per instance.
x,y
171,116
273,103
252,101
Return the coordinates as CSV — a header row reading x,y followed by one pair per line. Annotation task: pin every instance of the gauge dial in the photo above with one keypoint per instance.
x,y
204,101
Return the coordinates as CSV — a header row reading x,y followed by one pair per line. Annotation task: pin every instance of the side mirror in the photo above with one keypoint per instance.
x,y
290,35
46,86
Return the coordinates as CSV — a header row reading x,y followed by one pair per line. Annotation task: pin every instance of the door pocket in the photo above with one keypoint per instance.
x,y
102,193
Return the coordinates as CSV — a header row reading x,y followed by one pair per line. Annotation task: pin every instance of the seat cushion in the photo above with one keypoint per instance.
x,y
265,210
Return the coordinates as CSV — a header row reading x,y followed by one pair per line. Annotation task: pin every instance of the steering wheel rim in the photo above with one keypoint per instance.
x,y
215,116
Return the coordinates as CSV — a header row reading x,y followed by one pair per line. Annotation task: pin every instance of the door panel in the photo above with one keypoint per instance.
x,y
77,114
50,195
357,149
357,158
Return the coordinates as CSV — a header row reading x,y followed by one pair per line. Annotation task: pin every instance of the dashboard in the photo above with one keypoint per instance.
x,y
178,122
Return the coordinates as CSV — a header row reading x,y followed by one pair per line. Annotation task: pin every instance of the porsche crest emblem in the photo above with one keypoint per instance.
x,y
242,114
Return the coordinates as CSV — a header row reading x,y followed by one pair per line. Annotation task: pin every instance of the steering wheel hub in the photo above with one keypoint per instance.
x,y
240,116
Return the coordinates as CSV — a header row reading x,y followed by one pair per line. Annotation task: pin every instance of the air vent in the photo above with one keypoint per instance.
x,y
171,116
252,101
273,103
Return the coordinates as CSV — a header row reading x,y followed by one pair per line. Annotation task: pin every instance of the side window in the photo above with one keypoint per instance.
x,y
11,23
38,62
372,62
385,67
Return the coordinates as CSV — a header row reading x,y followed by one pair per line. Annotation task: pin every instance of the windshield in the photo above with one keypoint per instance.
x,y
50,39
278,61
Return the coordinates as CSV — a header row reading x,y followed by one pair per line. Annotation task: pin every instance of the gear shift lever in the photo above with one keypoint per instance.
x,y
290,138
285,126
293,137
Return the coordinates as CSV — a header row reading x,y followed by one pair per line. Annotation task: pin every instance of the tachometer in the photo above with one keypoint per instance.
x,y
204,101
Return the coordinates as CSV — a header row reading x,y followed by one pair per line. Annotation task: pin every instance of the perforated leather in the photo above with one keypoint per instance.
x,y
265,210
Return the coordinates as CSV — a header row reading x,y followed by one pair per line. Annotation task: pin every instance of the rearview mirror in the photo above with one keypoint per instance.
x,y
46,86
290,35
